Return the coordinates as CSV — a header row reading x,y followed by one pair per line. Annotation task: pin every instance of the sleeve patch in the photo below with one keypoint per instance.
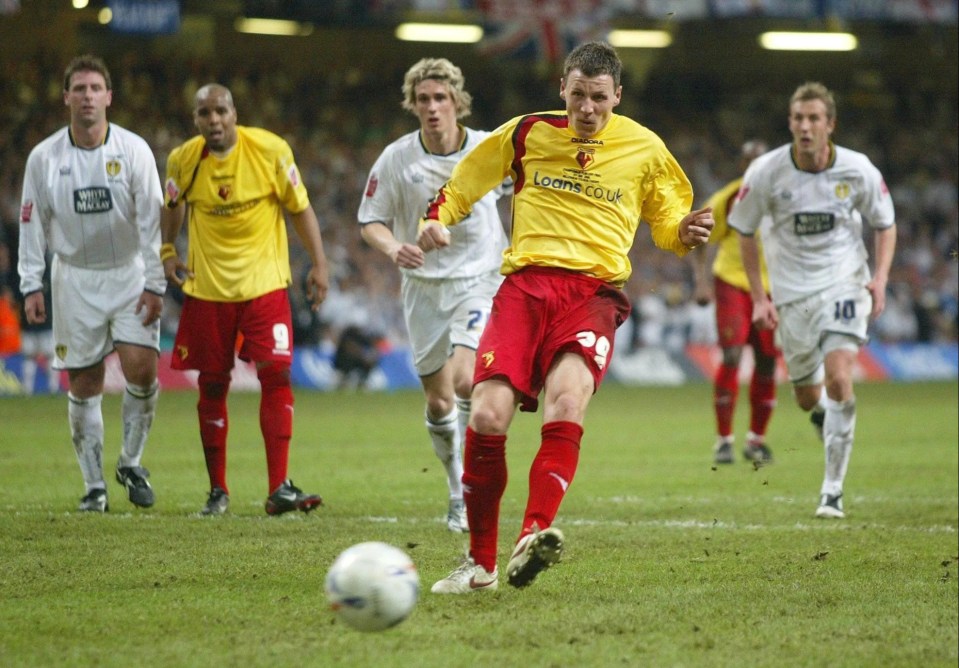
x,y
172,192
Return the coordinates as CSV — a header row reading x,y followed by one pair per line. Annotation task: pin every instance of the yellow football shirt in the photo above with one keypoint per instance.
x,y
238,247
728,263
577,202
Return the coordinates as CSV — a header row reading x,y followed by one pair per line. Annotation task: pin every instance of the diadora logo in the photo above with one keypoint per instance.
x,y
584,156
584,140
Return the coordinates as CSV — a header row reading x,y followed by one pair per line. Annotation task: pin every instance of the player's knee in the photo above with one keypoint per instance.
x,y
765,365
807,396
732,355
485,420
213,385
438,406
273,375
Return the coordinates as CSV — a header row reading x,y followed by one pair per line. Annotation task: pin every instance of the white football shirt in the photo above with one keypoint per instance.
x,y
400,185
813,236
93,208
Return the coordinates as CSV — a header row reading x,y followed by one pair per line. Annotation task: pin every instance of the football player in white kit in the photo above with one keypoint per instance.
x,y
817,195
92,198
447,295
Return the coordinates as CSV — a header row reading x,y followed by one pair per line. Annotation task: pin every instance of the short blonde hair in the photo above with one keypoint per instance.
x,y
813,90
438,69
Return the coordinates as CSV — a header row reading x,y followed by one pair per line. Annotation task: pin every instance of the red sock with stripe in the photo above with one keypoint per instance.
x,y
725,393
276,420
214,425
551,473
762,401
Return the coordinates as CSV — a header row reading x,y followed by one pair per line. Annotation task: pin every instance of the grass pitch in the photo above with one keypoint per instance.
x,y
670,561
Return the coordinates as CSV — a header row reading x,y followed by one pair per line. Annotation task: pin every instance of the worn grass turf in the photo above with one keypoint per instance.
x,y
670,561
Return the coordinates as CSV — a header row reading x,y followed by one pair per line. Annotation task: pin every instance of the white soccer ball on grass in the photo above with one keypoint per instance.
x,y
372,586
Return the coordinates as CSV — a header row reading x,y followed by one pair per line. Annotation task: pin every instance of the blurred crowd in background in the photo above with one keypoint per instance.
x,y
338,122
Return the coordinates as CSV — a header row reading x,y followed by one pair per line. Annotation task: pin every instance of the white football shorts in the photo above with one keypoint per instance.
x,y
442,313
829,320
94,309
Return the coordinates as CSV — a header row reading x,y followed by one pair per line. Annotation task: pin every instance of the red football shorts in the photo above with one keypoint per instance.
x,y
207,337
540,312
734,321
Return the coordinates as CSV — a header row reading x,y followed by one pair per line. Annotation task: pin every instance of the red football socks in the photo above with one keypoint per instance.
x,y
214,425
276,420
484,480
551,473
725,392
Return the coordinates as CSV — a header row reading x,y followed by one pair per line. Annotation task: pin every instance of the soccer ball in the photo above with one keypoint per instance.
x,y
372,586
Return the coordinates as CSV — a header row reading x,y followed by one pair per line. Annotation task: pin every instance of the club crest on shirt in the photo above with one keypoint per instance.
x,y
113,167
488,358
584,156
224,192
182,352
61,351
842,190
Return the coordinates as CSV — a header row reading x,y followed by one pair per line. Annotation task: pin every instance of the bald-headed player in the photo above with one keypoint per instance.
x,y
233,184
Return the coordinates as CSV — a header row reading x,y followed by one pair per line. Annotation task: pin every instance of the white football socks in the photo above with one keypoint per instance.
x,y
838,431
139,407
86,429
445,435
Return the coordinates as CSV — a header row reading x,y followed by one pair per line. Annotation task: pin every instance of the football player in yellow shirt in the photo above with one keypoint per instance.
x,y
583,179
233,184
734,327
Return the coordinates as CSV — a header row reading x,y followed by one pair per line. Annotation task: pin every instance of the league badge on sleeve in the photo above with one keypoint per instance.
x,y
172,192
293,175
